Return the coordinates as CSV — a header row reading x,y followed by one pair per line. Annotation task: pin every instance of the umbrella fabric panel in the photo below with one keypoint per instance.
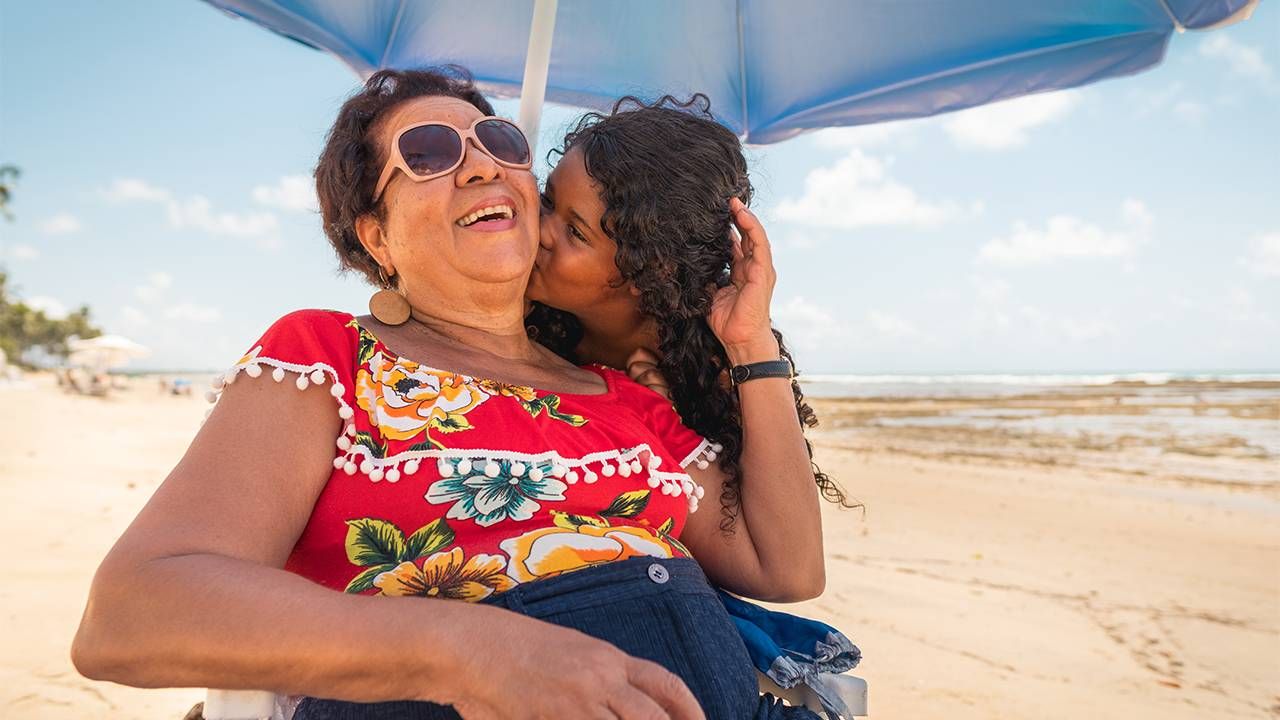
x,y
772,68
356,32
912,59
1196,14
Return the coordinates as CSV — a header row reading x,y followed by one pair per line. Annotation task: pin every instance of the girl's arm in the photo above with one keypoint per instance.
x,y
775,552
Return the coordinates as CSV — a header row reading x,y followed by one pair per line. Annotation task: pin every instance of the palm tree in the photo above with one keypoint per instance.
x,y
8,175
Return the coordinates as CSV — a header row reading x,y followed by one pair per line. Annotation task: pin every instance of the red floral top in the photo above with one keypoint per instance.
x,y
454,486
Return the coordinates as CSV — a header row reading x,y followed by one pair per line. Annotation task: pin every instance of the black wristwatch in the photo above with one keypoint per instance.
x,y
768,369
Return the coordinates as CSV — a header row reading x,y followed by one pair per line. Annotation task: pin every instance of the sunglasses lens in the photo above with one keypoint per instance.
x,y
504,141
430,149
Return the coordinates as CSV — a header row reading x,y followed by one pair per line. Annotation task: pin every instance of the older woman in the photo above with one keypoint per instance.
x,y
429,450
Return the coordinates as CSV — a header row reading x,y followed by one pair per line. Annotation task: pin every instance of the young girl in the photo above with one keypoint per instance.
x,y
639,254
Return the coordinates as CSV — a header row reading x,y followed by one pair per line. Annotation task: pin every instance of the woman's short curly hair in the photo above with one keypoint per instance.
x,y
350,163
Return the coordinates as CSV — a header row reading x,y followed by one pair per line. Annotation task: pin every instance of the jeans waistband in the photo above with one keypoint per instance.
x,y
605,583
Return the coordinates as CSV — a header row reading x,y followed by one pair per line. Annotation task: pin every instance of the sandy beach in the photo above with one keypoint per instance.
x,y
1013,559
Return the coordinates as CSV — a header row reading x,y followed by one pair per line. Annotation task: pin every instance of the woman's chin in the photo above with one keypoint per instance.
x,y
495,257
534,290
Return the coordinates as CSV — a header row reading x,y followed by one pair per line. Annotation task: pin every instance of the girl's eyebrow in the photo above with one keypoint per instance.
x,y
549,189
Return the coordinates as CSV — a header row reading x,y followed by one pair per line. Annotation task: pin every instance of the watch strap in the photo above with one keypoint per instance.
x,y
780,368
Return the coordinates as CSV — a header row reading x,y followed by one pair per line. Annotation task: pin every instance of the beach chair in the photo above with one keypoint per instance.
x,y
262,705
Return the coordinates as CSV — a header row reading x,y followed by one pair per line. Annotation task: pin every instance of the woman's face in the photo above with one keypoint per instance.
x,y
575,269
424,235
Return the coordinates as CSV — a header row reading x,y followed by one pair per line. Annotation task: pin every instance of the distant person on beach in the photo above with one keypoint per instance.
x,y
431,449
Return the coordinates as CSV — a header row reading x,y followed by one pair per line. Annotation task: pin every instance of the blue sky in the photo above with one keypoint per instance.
x,y
1130,225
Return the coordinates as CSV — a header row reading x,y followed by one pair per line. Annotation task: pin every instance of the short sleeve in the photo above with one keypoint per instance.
x,y
303,348
661,416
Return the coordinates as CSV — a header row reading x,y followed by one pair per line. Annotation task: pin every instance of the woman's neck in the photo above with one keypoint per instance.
x,y
494,328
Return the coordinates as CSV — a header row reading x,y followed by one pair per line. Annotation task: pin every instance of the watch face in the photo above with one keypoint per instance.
x,y
739,373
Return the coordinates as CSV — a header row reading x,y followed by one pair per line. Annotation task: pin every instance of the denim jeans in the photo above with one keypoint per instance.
x,y
658,609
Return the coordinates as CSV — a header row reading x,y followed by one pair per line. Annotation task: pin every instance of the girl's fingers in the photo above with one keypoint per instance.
x,y
755,239
737,264
642,354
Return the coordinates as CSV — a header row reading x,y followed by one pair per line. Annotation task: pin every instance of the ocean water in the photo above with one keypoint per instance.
x,y
1214,425
1155,384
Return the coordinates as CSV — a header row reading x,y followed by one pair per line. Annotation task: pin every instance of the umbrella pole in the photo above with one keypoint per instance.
x,y
536,65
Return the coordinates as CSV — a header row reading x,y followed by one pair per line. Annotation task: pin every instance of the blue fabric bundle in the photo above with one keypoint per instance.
x,y
792,650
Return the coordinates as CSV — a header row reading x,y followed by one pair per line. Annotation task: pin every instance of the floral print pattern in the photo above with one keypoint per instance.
x,y
379,546
502,484
447,575
496,491
523,393
577,543
418,566
404,398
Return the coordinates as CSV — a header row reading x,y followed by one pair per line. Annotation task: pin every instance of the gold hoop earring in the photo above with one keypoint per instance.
x,y
387,305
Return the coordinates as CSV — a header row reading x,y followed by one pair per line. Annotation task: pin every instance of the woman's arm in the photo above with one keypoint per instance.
x,y
193,595
775,553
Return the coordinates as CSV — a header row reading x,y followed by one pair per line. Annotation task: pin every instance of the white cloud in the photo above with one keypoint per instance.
x,y
857,192
157,283
990,289
1264,258
862,136
51,307
1191,111
1086,329
24,252
291,192
132,190
191,312
196,212
133,316
1005,124
807,325
1167,100
889,325
1242,310
1066,236
1052,329
1244,60
153,291
804,238
60,224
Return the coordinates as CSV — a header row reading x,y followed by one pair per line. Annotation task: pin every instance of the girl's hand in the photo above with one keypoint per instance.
x,y
642,366
740,311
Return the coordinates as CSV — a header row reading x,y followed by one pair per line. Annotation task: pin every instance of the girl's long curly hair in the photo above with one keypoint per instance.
x,y
667,170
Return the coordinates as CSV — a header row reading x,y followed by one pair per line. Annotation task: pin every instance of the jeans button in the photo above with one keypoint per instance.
x,y
658,573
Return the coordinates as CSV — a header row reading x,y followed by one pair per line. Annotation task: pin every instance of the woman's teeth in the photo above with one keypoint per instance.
x,y
499,212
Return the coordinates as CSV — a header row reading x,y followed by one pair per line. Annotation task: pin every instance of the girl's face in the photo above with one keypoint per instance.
x,y
575,269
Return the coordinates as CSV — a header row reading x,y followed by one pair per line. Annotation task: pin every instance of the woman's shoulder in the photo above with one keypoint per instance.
x,y
628,391
314,320
304,341
311,324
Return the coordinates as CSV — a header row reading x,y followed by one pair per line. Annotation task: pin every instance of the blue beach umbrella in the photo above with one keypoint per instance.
x,y
772,68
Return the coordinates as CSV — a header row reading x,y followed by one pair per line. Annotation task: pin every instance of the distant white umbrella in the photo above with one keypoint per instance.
x,y
105,352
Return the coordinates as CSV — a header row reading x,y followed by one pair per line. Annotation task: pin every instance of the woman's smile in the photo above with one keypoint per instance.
x,y
492,214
